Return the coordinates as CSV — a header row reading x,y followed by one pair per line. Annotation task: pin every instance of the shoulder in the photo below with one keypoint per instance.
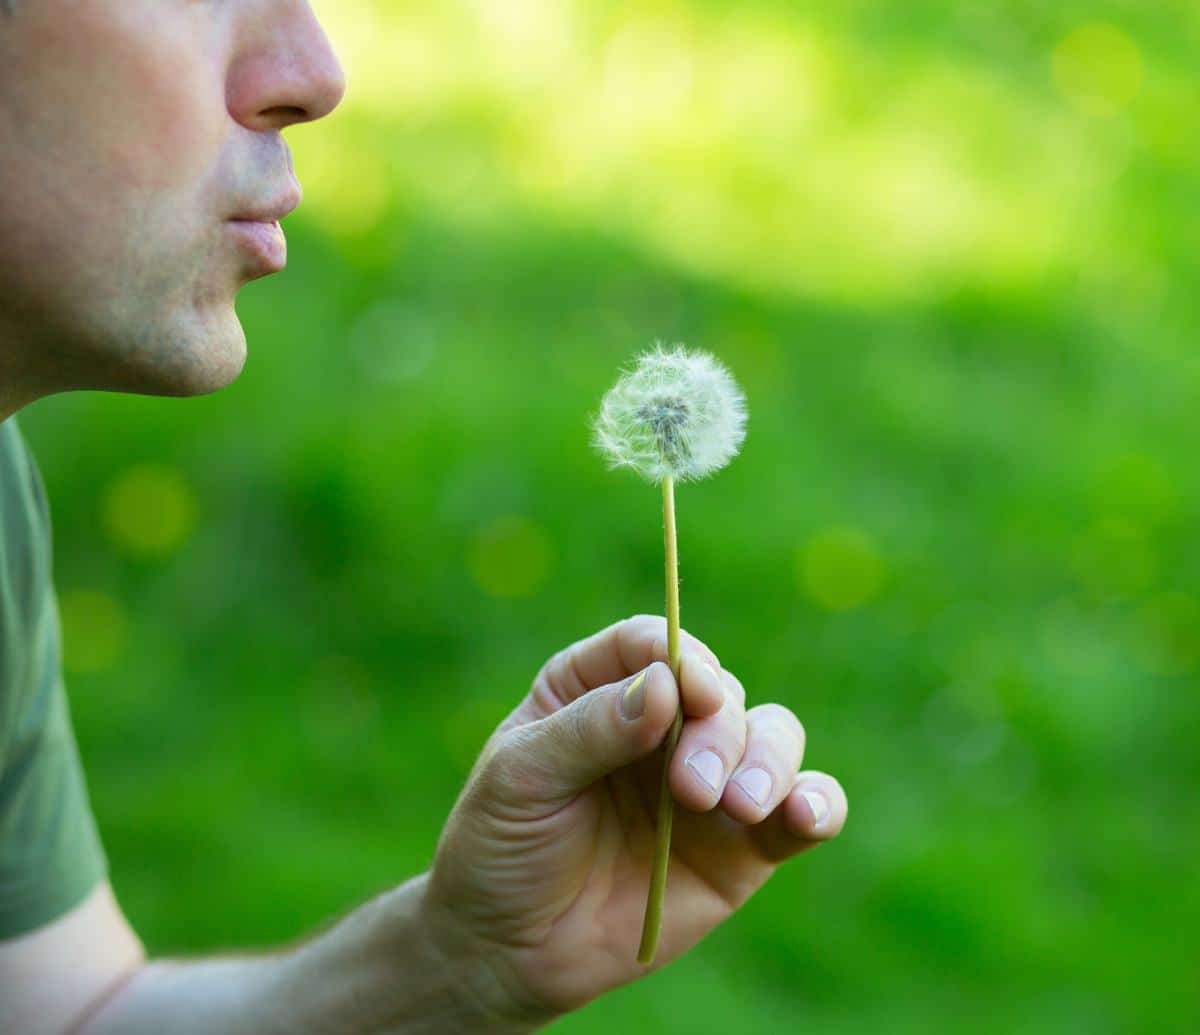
x,y
25,550
22,494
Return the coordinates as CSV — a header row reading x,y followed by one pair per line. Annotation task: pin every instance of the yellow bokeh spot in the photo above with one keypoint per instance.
x,y
94,630
1098,68
148,511
841,568
648,75
511,557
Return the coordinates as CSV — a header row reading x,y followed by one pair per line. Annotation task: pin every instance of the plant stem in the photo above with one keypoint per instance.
x,y
652,924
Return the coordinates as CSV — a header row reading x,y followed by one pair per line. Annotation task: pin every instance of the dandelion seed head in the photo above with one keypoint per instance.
x,y
676,413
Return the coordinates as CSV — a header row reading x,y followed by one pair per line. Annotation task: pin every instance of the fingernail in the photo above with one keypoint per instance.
x,y
633,699
756,783
708,766
818,804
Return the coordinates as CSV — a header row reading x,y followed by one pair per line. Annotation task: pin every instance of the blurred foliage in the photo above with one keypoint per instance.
x,y
949,251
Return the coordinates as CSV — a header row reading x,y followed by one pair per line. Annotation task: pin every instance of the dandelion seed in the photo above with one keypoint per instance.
x,y
676,416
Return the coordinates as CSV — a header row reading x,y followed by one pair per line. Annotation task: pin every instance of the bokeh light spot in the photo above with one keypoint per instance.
x,y
1074,642
1098,68
94,628
841,568
148,511
392,341
510,557
649,75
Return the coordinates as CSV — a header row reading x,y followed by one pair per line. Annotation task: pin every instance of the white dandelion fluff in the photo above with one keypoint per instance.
x,y
676,414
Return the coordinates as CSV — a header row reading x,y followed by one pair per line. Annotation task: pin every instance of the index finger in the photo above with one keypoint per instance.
x,y
623,648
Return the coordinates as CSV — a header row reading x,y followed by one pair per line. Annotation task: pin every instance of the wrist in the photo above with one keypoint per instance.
x,y
480,975
396,965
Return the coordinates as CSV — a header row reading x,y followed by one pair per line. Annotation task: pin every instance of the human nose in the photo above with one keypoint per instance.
x,y
285,71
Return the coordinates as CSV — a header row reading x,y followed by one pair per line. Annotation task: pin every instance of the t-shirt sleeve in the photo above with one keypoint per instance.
x,y
50,851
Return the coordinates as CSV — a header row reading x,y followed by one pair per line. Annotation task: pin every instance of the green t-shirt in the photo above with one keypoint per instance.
x,y
50,853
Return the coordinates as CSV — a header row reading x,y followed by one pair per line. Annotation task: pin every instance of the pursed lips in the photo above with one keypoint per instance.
x,y
260,233
272,211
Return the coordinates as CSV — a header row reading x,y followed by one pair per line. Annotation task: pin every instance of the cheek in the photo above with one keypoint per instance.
x,y
112,131
133,97
161,127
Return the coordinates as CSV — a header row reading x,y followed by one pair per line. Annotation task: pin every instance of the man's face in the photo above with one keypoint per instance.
x,y
141,170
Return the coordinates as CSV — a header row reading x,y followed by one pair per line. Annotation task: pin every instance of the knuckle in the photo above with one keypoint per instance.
x,y
777,733
551,668
576,724
512,771
727,728
641,621
641,629
734,686
740,737
558,679
731,724
772,715
497,769
698,646
734,727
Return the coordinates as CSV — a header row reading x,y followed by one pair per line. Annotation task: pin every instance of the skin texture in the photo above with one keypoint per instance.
x,y
131,133
543,868
533,904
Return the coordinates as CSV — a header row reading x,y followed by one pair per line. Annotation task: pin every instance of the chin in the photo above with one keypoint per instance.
x,y
211,376
194,357
208,366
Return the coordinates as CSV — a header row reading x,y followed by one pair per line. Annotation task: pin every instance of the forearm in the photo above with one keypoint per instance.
x,y
379,970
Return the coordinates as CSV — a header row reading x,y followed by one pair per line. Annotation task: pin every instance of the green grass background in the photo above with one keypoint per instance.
x,y
948,249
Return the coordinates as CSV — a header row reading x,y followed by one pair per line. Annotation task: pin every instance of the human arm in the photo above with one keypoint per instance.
x,y
534,901
375,971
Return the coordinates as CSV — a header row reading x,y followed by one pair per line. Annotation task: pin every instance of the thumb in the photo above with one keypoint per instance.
x,y
540,766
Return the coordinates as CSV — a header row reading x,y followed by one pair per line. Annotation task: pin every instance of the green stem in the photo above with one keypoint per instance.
x,y
652,924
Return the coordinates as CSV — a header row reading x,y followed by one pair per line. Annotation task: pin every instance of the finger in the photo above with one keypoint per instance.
x,y
813,812
708,750
766,771
733,685
816,808
625,647
535,768
701,688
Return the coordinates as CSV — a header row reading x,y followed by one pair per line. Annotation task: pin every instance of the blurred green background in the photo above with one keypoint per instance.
x,y
948,249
